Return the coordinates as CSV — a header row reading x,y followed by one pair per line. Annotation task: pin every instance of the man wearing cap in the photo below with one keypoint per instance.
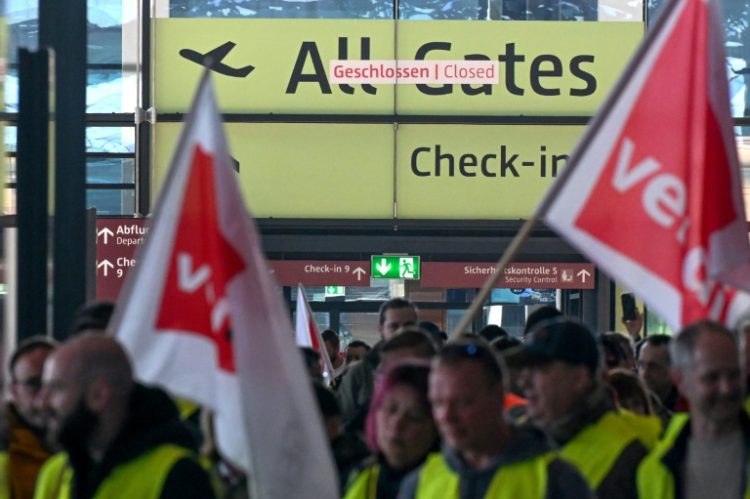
x,y
484,456
566,396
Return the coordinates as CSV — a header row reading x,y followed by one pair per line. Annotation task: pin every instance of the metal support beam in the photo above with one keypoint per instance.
x,y
32,173
143,126
90,254
62,26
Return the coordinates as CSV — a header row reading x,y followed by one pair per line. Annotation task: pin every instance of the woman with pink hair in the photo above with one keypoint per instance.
x,y
399,430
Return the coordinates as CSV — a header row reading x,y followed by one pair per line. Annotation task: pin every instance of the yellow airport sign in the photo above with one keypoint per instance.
x,y
282,66
446,171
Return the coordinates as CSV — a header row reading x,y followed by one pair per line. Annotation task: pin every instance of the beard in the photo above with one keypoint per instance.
x,y
723,408
76,428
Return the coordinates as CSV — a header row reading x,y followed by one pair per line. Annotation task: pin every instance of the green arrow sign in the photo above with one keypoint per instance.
x,y
394,267
333,291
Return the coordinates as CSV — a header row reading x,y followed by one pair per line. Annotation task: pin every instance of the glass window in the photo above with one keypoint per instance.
x,y
524,10
743,153
322,320
9,135
110,179
264,9
527,10
452,319
116,140
547,10
110,185
110,89
737,34
523,296
111,201
110,171
9,202
378,292
360,326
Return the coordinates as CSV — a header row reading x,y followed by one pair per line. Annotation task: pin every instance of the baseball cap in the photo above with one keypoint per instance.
x,y
559,339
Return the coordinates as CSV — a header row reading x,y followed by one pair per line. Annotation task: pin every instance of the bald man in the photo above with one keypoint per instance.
x,y
120,439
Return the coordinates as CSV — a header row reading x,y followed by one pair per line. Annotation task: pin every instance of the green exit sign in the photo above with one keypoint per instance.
x,y
394,267
334,291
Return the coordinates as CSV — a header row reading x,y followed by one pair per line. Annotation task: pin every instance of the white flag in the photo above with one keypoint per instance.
x,y
307,334
202,316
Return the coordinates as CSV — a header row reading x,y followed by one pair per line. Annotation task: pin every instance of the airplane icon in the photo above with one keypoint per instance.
x,y
212,60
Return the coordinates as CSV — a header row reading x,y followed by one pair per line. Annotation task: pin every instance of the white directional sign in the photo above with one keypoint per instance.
x,y
117,240
105,265
583,274
105,234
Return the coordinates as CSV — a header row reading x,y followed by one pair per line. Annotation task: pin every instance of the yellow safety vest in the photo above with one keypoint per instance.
x,y
525,479
648,428
364,484
142,477
4,478
597,447
654,479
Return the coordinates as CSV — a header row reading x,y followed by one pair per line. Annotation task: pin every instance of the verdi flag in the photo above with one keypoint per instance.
x,y
652,193
307,334
202,316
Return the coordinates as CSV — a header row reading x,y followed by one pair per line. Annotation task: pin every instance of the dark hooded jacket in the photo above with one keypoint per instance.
x,y
153,421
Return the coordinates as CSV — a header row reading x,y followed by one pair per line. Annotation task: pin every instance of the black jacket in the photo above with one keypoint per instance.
x,y
153,420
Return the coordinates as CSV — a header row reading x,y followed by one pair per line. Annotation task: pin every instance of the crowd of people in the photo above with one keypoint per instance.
x,y
562,412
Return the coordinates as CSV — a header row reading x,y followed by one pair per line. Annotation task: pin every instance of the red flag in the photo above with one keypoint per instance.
x,y
202,316
653,191
307,334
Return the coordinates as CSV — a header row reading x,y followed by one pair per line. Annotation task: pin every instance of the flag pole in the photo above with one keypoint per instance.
x,y
515,245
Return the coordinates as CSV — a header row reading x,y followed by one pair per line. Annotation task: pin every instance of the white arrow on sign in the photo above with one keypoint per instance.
x,y
359,272
106,264
106,233
583,274
383,267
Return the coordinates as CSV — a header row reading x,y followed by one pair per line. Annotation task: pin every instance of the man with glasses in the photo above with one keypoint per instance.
x,y
566,396
26,451
483,455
